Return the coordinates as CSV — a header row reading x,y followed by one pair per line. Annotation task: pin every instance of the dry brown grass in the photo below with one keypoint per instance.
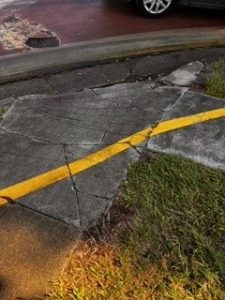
x,y
104,271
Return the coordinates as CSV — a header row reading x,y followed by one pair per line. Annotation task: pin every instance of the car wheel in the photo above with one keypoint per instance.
x,y
154,8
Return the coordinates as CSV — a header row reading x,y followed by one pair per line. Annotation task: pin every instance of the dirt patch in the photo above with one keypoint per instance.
x,y
15,32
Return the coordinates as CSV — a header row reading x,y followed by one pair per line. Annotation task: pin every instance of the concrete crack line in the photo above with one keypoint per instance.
x,y
126,121
47,141
96,107
39,212
108,130
95,195
12,202
139,152
83,127
29,137
41,110
61,117
58,107
67,144
103,137
170,107
73,183
93,90
81,121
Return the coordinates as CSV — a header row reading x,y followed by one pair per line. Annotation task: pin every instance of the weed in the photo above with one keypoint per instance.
x,y
2,110
216,81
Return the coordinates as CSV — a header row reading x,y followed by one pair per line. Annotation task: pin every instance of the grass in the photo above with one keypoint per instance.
x,y
2,110
216,81
173,246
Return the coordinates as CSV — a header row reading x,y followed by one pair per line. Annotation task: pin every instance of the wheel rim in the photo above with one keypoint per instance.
x,y
156,6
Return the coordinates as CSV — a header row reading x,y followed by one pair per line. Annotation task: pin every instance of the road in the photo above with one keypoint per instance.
x,y
80,20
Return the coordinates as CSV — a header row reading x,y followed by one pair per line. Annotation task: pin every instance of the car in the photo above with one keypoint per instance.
x,y
156,8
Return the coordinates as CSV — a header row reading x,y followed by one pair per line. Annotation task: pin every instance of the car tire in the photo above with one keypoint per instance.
x,y
154,8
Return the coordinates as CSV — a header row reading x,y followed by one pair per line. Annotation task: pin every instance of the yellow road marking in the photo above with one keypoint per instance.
x,y
44,180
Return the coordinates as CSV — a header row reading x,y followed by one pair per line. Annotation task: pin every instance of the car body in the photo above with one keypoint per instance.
x,y
155,8
216,4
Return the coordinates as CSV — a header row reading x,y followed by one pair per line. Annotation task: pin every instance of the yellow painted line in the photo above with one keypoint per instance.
x,y
44,180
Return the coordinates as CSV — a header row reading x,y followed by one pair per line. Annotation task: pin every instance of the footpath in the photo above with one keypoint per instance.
x,y
51,188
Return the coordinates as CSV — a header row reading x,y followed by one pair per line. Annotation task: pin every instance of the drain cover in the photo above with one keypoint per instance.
x,y
42,42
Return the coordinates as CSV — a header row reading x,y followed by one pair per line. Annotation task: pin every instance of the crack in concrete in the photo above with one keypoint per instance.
x,y
95,195
139,152
7,199
47,141
39,212
12,202
55,143
114,102
29,137
78,198
109,127
61,117
103,136
41,110
73,184
170,107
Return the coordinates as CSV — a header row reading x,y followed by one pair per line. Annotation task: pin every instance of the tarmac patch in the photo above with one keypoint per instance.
x,y
14,32
42,41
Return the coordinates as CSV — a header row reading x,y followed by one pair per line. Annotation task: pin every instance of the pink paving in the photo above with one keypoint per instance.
x,y
81,20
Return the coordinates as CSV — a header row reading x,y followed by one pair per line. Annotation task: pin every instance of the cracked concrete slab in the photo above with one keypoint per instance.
x,y
84,117
58,201
54,130
207,141
23,158
96,188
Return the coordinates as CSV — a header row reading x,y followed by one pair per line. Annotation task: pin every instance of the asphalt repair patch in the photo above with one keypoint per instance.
x,y
16,32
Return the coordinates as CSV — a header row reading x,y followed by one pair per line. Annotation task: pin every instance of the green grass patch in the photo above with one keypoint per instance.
x,y
173,247
2,110
216,81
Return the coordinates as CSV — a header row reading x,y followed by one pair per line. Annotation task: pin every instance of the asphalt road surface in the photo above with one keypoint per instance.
x,y
80,20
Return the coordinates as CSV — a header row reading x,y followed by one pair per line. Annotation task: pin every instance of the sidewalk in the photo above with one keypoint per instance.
x,y
42,132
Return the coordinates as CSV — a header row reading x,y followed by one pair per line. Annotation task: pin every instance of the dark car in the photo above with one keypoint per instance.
x,y
155,8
